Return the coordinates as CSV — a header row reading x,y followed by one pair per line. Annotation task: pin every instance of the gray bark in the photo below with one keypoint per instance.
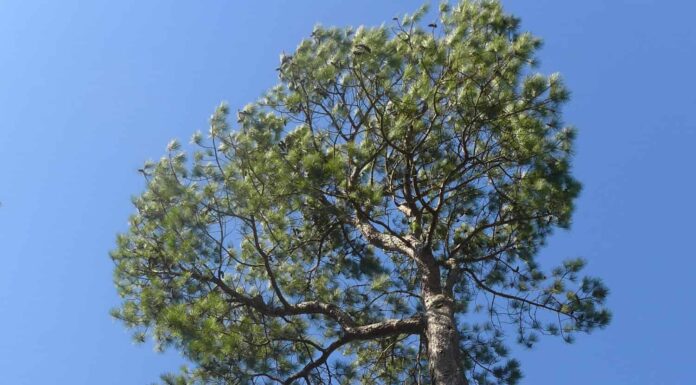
x,y
440,331
444,360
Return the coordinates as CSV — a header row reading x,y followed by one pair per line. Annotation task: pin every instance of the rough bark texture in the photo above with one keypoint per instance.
x,y
443,341
440,331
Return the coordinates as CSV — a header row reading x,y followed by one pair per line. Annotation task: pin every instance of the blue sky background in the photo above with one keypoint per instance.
x,y
91,89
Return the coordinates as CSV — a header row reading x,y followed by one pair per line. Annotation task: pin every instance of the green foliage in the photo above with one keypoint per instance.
x,y
439,136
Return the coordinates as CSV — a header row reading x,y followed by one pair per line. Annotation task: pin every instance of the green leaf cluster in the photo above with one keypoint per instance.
x,y
441,136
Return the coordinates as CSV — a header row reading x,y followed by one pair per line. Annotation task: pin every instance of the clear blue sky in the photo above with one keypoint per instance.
x,y
91,89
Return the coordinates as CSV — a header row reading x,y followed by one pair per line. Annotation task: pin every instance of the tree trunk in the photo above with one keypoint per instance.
x,y
444,359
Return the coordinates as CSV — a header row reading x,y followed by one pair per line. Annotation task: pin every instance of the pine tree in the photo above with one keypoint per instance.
x,y
373,219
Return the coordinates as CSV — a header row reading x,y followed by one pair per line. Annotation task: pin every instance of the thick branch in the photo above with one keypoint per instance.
x,y
307,307
391,327
386,242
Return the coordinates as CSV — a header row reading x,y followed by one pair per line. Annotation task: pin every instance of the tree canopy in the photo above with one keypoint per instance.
x,y
374,218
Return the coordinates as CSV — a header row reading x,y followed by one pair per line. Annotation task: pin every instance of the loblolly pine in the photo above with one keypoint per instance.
x,y
374,218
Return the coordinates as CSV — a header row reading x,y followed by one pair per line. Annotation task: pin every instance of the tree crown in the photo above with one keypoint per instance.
x,y
382,153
